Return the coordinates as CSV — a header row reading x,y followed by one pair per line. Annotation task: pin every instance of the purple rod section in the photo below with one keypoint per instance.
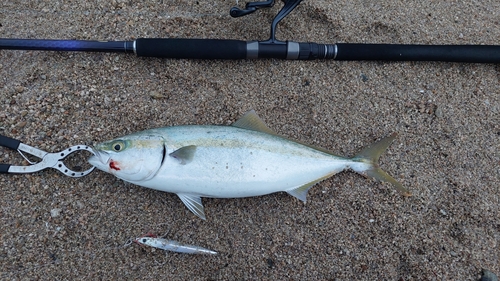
x,y
67,45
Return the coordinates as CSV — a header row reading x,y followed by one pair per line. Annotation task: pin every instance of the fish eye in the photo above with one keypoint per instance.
x,y
144,240
118,146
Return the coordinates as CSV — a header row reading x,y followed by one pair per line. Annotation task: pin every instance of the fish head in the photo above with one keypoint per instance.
x,y
133,158
145,240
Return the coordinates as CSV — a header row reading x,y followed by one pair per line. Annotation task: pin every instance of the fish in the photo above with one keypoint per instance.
x,y
171,245
244,159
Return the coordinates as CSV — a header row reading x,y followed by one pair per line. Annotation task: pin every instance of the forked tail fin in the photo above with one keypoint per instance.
x,y
368,163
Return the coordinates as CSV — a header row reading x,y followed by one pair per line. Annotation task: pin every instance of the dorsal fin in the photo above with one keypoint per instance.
x,y
251,121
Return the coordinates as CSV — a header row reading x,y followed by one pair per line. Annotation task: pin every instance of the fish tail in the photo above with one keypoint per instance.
x,y
367,163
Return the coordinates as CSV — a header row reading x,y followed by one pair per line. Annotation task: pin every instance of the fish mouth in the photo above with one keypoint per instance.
x,y
99,158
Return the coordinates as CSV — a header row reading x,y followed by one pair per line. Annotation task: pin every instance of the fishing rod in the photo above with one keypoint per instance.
x,y
185,48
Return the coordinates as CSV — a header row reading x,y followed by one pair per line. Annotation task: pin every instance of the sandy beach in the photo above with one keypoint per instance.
x,y
447,153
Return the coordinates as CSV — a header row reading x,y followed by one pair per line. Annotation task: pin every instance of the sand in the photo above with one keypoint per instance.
x,y
447,116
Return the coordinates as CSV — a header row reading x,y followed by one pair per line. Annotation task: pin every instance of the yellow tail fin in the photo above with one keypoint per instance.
x,y
370,156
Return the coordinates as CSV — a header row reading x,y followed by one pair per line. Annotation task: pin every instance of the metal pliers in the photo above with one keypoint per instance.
x,y
49,160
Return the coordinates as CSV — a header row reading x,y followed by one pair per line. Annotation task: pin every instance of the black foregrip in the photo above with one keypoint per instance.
x,y
393,52
4,168
191,48
9,142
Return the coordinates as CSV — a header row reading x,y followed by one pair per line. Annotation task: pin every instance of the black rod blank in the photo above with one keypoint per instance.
x,y
394,52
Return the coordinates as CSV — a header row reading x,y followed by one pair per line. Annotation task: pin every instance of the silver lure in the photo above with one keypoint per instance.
x,y
171,245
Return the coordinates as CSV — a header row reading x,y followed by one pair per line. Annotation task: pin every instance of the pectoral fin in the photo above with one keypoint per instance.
x,y
193,203
184,154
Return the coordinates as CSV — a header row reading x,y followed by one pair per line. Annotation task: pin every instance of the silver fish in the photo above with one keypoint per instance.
x,y
241,160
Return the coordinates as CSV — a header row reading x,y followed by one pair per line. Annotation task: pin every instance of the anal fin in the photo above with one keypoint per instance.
x,y
193,203
301,191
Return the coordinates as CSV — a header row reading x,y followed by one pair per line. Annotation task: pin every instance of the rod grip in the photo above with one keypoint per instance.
x,y
191,48
394,52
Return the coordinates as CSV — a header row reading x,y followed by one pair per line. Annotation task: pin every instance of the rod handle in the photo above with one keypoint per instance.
x,y
190,48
